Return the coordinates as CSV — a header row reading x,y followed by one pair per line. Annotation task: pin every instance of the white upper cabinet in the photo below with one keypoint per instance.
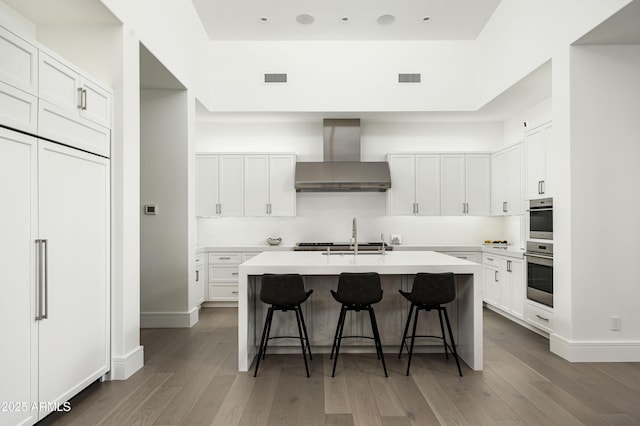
x,y
506,182
72,110
415,181
466,184
18,83
19,64
219,185
536,144
269,185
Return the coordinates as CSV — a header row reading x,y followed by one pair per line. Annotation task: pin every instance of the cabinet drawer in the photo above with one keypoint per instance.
x,y
224,258
490,259
18,109
223,292
539,317
223,273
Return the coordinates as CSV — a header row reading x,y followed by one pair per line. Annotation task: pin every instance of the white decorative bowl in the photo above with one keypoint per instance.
x,y
274,241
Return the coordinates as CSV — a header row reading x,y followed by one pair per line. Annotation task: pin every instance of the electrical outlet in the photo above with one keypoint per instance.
x,y
616,323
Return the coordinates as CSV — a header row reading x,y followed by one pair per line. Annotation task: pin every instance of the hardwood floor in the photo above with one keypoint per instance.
x,y
190,378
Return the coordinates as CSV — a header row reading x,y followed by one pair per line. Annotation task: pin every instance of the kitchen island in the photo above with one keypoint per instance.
x,y
321,270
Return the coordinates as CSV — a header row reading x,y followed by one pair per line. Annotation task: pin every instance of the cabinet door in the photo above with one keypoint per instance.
x,y
427,185
282,192
547,185
517,284
96,103
453,185
58,83
256,180
74,219
478,185
513,181
18,227
231,185
18,109
19,65
498,184
401,196
535,162
491,285
504,278
207,195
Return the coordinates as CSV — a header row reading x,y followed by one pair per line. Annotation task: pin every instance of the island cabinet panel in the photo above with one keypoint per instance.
x,y
321,312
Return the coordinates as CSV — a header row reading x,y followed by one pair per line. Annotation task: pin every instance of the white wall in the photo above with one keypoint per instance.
x,y
342,76
534,116
164,262
327,216
605,106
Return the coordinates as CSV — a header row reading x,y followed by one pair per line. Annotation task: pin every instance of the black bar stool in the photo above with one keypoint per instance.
x,y
429,292
357,292
284,292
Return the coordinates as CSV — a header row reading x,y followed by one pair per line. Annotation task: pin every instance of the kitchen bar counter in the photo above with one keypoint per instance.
x,y
396,267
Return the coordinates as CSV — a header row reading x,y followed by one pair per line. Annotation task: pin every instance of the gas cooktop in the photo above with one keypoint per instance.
x,y
340,246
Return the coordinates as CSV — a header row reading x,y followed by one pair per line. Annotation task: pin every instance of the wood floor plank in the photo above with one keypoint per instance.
x,y
312,397
336,392
286,403
416,408
258,408
236,398
338,420
396,421
363,403
205,409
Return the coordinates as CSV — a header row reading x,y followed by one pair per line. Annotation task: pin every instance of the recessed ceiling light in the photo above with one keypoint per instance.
x,y
305,19
344,19
426,18
264,19
386,19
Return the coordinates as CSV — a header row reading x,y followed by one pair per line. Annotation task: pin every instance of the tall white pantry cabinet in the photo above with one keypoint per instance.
x,y
54,248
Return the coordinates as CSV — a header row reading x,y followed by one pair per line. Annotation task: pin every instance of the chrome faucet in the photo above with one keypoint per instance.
x,y
354,236
383,249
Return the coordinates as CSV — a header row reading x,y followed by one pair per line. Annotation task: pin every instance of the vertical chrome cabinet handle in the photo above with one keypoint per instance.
x,y
84,99
42,296
80,98
496,276
509,266
197,275
543,186
417,208
504,206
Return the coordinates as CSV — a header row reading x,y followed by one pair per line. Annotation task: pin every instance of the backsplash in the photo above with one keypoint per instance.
x,y
328,217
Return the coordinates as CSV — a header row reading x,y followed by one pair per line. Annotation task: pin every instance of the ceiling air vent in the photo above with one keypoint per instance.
x,y
408,78
275,78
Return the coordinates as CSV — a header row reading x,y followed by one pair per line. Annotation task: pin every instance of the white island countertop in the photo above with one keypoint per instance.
x,y
403,263
319,263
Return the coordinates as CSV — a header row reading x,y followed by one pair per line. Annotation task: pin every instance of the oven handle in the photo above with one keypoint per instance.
x,y
542,209
541,256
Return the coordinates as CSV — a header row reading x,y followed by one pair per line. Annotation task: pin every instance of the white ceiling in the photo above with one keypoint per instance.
x,y
621,28
43,12
242,19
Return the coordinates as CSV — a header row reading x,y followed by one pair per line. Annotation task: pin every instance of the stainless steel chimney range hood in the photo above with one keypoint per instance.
x,y
342,170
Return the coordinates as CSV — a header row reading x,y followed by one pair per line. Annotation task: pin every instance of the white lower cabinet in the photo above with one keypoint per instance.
x,y
223,273
55,251
539,316
199,280
504,283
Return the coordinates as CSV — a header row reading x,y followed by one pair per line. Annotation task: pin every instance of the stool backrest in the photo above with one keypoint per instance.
x,y
433,289
282,289
359,288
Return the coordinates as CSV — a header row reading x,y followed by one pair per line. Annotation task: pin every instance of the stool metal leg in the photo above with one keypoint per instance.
x,y
341,329
376,337
406,329
304,328
413,339
446,353
302,344
340,321
453,343
265,338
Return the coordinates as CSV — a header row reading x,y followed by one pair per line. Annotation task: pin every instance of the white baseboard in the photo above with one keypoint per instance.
x,y
595,351
123,367
169,319
220,305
